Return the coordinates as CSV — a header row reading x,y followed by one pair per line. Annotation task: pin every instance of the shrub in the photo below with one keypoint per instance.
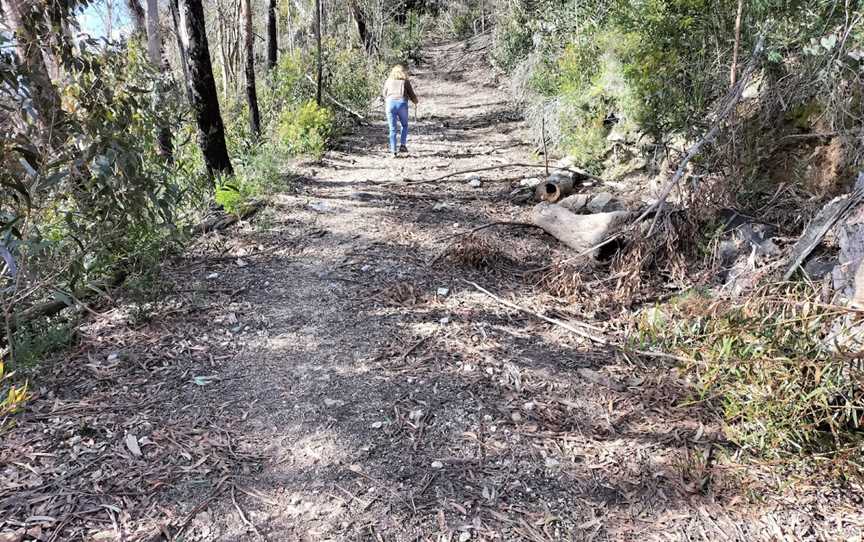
x,y
306,130
767,362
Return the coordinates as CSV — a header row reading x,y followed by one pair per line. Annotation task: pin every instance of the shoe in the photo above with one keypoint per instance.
x,y
403,148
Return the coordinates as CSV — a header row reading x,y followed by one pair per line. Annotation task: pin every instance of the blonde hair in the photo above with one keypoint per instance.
x,y
399,72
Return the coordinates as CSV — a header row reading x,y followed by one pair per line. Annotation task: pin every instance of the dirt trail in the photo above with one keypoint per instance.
x,y
347,390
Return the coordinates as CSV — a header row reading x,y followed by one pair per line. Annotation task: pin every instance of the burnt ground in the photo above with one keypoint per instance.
x,y
305,376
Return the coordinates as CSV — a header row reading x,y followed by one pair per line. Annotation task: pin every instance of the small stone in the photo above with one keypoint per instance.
x,y
445,320
529,406
475,183
465,537
443,291
366,268
377,425
603,202
437,465
212,276
530,182
551,463
516,417
241,263
113,356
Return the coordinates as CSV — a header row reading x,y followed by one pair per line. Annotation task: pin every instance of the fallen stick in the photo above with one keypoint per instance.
x,y
489,225
594,338
339,104
242,514
500,166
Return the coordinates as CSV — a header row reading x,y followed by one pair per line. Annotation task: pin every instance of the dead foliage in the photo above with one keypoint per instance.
x,y
116,434
481,253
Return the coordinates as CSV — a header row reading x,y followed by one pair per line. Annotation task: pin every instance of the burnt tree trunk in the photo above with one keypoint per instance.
x,y
139,19
362,27
205,101
251,94
319,60
272,36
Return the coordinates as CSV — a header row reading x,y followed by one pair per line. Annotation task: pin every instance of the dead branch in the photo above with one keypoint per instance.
x,y
337,103
581,174
584,334
599,339
242,514
732,99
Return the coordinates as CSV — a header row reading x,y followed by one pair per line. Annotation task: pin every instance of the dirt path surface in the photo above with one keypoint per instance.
x,y
311,376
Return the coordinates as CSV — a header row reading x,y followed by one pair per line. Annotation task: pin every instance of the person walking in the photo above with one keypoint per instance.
x,y
397,92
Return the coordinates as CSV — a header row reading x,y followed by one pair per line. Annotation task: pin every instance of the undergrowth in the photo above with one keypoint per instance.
x,y
784,384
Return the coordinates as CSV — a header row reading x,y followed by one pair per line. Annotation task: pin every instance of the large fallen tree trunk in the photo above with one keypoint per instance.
x,y
579,232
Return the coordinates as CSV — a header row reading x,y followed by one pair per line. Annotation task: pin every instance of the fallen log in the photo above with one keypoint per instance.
x,y
220,222
556,188
579,232
51,308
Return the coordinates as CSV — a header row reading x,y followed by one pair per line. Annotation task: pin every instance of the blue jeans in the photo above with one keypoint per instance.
x,y
397,110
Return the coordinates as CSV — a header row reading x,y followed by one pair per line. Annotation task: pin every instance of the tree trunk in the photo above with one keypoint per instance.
x,y
154,53
24,16
362,28
733,71
272,36
205,101
181,47
579,232
251,94
139,19
319,60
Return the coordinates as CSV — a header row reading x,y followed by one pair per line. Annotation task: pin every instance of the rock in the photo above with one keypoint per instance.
x,y
603,203
321,207
437,465
551,462
475,183
516,417
212,276
445,320
443,291
132,445
575,203
531,182
465,537
820,266
377,425
241,263
566,162
18,536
